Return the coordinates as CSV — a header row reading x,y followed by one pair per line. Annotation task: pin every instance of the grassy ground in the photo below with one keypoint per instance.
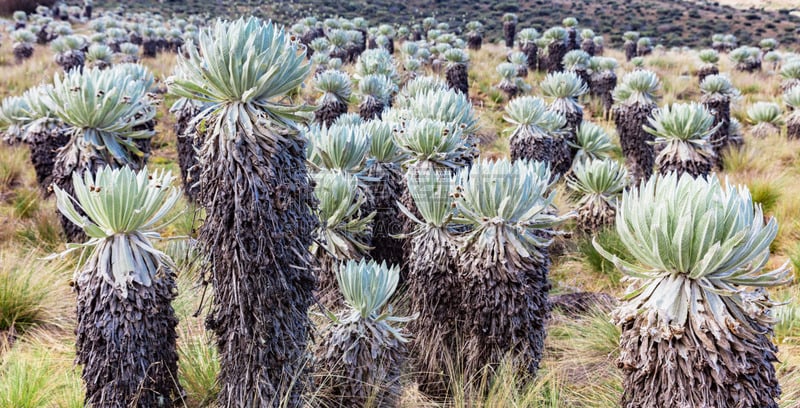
x,y
36,302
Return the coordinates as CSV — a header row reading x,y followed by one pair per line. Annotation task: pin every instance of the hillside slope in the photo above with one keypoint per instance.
x,y
670,22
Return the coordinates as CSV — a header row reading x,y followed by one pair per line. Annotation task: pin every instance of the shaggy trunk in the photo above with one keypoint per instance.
x,y
45,144
457,78
595,215
408,227
598,49
150,48
390,46
433,289
506,302
474,41
309,36
189,142
329,111
388,221
532,147
130,59
341,53
87,11
564,153
327,292
639,153
644,51
353,51
509,87
532,52
22,51
749,66
127,346
572,39
588,46
175,45
163,44
630,50
793,126
584,75
705,71
70,60
99,64
509,33
694,166
258,229
361,365
362,43
602,84
371,108
43,36
765,129
788,84
700,364
135,38
720,107
554,60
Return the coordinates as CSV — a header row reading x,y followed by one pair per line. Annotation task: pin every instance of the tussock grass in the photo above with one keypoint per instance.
x,y
13,166
596,263
38,372
198,365
30,295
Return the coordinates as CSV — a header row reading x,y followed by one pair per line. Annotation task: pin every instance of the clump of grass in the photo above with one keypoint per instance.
x,y
13,162
25,203
789,376
22,298
510,389
24,382
584,351
765,192
744,159
40,373
592,337
198,366
750,89
607,238
42,232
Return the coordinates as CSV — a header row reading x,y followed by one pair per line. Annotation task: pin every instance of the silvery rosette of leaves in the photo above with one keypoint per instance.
x,y
124,210
367,287
342,228
685,129
245,96
597,181
108,109
700,245
592,143
508,202
530,117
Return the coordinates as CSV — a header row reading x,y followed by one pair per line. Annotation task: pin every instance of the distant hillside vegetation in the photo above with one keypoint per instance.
x,y
670,22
